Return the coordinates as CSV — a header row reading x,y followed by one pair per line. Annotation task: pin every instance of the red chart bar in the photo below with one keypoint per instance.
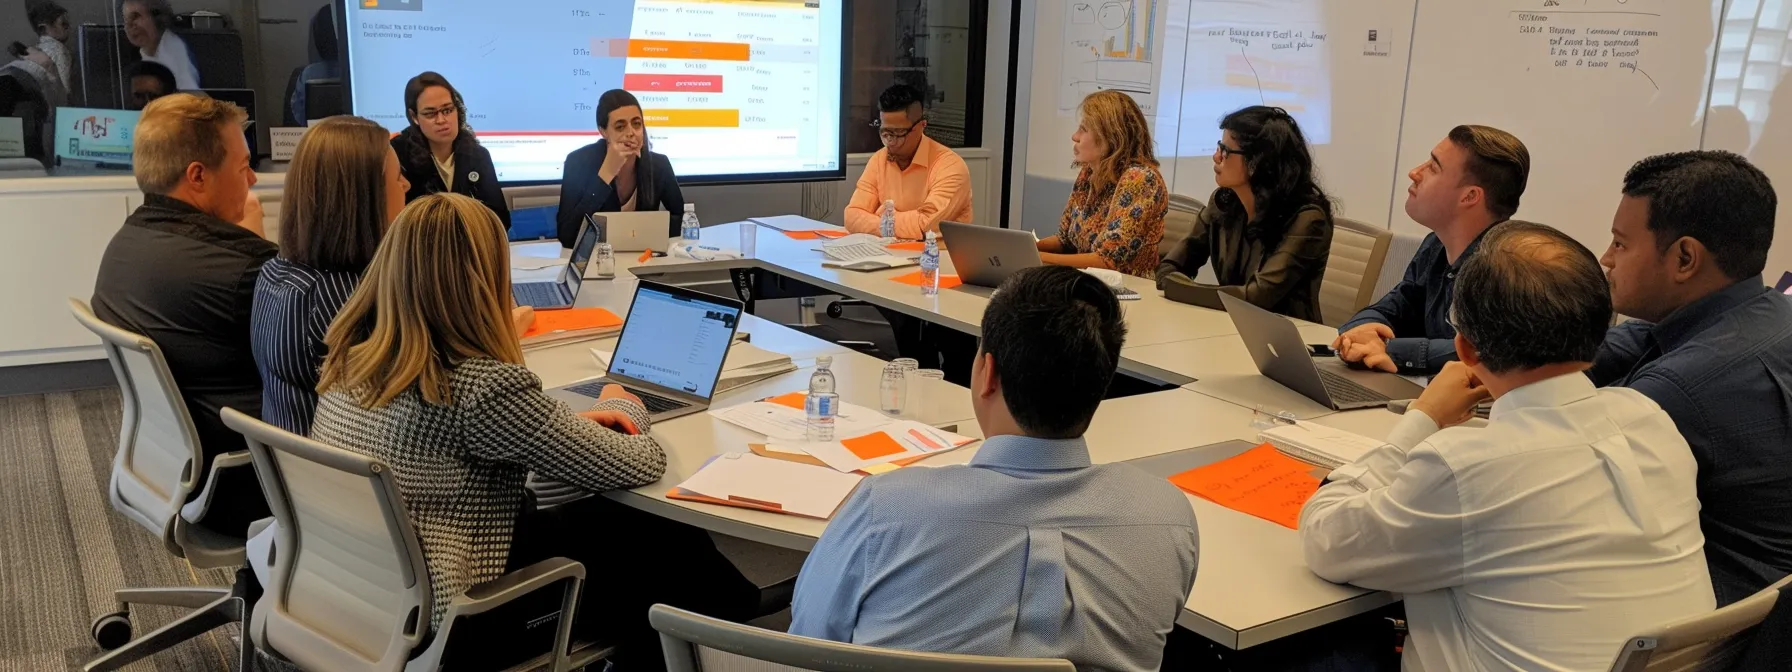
x,y
669,83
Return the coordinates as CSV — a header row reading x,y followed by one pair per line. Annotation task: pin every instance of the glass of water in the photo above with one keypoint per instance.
x,y
749,239
606,261
892,389
925,387
908,366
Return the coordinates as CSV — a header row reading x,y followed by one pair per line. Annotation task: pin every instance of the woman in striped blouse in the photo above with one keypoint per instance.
x,y
425,374
342,189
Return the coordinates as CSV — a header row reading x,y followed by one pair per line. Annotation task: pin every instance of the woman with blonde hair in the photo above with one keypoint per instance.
x,y
425,374
343,188
1115,217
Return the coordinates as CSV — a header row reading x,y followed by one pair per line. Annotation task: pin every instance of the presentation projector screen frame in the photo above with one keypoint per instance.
x,y
340,10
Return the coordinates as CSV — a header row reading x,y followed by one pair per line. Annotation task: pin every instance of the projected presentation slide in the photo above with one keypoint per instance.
x,y
732,90
1259,52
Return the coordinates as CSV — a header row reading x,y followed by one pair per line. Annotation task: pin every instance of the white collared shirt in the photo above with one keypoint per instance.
x,y
1539,542
172,52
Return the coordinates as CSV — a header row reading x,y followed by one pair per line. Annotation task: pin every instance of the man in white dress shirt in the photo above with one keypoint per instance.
x,y
1543,540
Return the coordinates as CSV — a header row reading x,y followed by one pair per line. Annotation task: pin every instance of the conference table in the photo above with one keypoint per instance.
x,y
1252,585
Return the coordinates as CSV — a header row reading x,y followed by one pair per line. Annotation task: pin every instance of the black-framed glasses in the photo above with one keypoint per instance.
x,y
436,113
1225,152
895,134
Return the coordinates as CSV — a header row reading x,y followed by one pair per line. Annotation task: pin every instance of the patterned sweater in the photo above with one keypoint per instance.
x,y
461,466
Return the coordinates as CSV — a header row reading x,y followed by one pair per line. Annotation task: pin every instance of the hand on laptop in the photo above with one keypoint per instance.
x,y
618,392
1367,346
616,420
1451,398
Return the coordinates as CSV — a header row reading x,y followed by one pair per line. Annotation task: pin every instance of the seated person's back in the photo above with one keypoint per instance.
x,y
1029,550
181,270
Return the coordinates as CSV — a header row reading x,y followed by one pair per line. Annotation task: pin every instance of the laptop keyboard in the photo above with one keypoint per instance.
x,y
537,294
653,402
859,251
1346,392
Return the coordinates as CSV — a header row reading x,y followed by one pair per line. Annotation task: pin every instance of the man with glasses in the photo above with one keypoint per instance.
x,y
1471,181
928,182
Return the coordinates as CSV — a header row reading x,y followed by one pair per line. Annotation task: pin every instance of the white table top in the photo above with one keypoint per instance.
x,y
1252,585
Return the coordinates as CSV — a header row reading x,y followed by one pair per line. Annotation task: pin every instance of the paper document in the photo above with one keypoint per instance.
x,y
791,223
783,418
528,263
898,440
800,489
1317,444
1261,482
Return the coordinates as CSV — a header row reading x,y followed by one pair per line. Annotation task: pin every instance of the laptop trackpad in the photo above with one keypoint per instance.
x,y
1390,385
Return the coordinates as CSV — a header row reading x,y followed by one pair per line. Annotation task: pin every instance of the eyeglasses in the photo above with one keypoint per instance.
x,y
895,134
1225,152
436,113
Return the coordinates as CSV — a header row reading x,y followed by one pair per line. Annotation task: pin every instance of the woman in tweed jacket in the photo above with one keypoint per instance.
x,y
425,374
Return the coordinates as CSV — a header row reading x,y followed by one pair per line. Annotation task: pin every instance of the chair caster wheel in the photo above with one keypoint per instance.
x,y
112,630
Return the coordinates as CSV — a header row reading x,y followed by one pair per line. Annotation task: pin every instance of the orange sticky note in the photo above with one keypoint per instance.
x,y
794,400
910,246
946,281
571,319
872,446
1261,481
645,255
831,233
802,235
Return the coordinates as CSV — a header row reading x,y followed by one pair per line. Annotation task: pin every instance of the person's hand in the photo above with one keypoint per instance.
x,y
522,317
616,420
1452,396
617,153
618,392
1366,345
253,215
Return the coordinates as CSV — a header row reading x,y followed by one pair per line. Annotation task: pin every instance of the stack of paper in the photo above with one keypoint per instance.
x,y
553,327
896,441
783,419
1318,444
750,481
746,363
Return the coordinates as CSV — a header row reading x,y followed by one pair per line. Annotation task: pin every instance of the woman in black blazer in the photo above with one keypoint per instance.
x,y
618,173
439,152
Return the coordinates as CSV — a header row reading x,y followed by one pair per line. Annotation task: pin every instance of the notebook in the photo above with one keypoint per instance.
x,y
1319,445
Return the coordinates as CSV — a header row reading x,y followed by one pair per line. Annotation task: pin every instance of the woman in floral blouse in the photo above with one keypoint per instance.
x,y
1115,217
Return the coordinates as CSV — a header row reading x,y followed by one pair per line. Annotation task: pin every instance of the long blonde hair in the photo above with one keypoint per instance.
x,y
436,294
1119,123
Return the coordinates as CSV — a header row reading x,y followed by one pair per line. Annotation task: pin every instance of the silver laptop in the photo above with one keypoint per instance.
x,y
987,255
634,231
1281,355
670,354
561,292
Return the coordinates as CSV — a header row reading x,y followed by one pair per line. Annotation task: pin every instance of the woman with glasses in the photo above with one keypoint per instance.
x,y
1115,217
438,150
618,173
1268,228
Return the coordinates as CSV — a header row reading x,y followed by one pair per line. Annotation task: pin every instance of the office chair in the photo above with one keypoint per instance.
x,y
349,590
1179,221
153,477
1710,641
1357,254
694,642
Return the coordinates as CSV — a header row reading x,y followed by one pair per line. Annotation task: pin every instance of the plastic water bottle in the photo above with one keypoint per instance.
x,y
692,230
930,266
886,227
822,404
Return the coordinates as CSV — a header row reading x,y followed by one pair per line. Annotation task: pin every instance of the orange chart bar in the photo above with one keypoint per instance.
x,y
692,118
714,51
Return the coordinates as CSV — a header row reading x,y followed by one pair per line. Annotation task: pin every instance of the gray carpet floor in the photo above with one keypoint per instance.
x,y
63,550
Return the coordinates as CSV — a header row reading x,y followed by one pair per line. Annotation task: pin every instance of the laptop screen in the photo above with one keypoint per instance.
x,y
574,273
676,341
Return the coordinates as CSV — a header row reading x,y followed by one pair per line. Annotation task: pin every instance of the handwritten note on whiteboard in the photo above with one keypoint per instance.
x,y
1261,481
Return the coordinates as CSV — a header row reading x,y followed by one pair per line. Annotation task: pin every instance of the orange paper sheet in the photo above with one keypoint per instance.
x,y
910,246
831,234
873,445
550,321
794,400
802,235
946,281
1261,481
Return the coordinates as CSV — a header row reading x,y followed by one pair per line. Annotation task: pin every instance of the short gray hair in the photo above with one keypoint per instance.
x,y
176,131
1531,296
159,11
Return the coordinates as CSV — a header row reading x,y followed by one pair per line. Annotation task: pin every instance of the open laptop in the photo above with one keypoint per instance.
x,y
562,292
673,345
633,231
987,255
1281,355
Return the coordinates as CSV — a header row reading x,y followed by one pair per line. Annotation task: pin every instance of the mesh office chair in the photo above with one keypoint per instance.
x,y
1710,641
154,475
694,643
349,590
1357,254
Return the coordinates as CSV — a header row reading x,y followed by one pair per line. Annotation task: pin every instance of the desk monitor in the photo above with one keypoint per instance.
x,y
95,138
323,99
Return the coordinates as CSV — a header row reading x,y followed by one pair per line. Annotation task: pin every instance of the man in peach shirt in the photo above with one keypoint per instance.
x,y
928,182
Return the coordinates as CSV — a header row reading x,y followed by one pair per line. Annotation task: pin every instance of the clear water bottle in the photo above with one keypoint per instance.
x,y
606,261
822,404
886,227
930,266
692,230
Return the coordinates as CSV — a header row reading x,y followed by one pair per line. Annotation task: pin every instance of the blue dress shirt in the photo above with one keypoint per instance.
x,y
1722,369
1418,309
1027,551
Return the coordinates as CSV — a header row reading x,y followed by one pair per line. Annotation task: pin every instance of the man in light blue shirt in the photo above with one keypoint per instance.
x,y
1030,550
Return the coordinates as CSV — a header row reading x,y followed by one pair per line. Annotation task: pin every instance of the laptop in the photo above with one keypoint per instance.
x,y
633,231
562,292
987,255
1281,355
1192,293
673,345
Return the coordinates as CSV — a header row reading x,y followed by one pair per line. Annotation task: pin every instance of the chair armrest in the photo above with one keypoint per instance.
x,y
194,511
491,594
776,597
